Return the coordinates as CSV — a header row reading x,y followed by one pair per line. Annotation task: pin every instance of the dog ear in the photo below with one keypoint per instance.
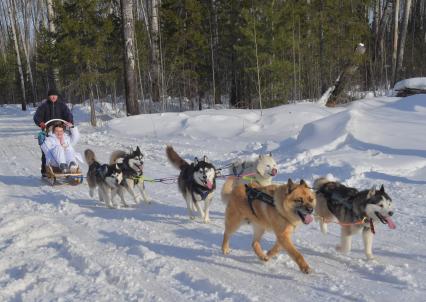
x,y
195,161
303,183
372,192
270,154
117,167
290,186
138,150
205,159
382,189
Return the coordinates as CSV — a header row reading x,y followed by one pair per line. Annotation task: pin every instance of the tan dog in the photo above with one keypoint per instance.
x,y
290,205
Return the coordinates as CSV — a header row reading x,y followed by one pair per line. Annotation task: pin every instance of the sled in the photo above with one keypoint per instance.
x,y
55,176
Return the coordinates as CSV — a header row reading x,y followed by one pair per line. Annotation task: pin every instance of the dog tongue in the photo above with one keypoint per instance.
x,y
390,222
209,184
308,219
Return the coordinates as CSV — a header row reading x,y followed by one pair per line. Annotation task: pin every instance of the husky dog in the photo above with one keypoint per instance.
x,y
132,166
107,178
197,182
279,208
264,168
355,210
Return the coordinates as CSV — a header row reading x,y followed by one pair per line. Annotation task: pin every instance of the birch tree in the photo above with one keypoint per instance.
x,y
155,53
12,18
401,46
132,106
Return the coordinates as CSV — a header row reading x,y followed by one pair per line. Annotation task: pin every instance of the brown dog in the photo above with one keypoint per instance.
x,y
289,205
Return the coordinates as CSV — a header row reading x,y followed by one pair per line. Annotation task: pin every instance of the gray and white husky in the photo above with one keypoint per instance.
x,y
355,211
264,167
107,178
132,166
197,182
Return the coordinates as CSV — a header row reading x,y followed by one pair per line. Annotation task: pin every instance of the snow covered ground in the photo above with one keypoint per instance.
x,y
58,244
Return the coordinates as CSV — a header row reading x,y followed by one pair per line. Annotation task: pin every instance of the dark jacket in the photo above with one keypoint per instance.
x,y
48,110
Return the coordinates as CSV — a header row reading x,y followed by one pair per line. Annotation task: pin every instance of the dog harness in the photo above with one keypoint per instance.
x,y
203,192
254,194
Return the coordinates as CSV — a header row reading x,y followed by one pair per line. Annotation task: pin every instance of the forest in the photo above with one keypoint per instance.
x,y
202,53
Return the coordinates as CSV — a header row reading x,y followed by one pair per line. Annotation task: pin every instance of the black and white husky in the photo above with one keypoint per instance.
x,y
107,178
355,210
132,166
197,182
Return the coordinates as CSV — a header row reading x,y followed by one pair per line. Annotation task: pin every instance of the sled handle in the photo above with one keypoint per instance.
x,y
55,120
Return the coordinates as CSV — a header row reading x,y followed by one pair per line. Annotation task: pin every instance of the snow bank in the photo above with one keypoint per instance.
x,y
413,83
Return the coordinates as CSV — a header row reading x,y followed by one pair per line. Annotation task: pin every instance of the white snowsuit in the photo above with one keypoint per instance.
x,y
56,153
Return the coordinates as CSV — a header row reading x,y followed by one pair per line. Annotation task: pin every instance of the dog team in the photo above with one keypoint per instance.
x,y
266,206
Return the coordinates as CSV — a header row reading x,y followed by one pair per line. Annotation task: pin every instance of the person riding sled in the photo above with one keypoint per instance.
x,y
52,108
58,147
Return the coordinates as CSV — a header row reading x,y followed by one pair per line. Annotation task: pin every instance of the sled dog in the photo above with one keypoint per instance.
x,y
355,210
131,164
279,208
196,182
107,178
264,167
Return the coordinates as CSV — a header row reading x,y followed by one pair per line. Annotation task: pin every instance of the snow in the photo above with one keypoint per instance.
x,y
413,83
58,244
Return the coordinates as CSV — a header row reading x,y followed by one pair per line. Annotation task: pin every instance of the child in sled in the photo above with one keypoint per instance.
x,y
58,147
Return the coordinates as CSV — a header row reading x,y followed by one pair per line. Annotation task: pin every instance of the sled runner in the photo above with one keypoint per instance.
x,y
54,175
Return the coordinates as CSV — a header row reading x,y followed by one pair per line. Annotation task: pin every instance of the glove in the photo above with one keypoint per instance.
x,y
41,137
42,125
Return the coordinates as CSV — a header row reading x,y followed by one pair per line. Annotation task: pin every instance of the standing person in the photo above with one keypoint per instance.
x,y
52,108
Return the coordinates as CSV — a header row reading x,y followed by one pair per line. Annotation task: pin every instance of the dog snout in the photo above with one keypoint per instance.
x,y
274,172
309,210
390,213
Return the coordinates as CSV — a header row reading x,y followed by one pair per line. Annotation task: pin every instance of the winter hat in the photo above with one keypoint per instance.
x,y
52,91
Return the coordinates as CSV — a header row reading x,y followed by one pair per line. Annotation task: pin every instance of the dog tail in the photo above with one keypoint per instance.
x,y
115,156
89,156
227,188
174,158
320,182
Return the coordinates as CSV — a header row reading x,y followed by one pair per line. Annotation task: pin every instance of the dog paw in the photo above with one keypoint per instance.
x,y
206,220
370,257
192,217
264,258
341,250
226,251
306,269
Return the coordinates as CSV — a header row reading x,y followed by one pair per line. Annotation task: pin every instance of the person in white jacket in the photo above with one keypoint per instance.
x,y
58,147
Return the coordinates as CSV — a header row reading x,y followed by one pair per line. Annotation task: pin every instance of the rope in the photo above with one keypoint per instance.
x,y
165,180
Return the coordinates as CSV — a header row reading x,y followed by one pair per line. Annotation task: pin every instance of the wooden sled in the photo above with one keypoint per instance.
x,y
55,176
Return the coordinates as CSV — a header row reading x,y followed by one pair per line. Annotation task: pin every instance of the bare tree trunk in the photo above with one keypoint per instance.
x,y
335,93
395,39
27,56
92,106
52,31
129,57
323,86
155,53
401,46
257,62
12,16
